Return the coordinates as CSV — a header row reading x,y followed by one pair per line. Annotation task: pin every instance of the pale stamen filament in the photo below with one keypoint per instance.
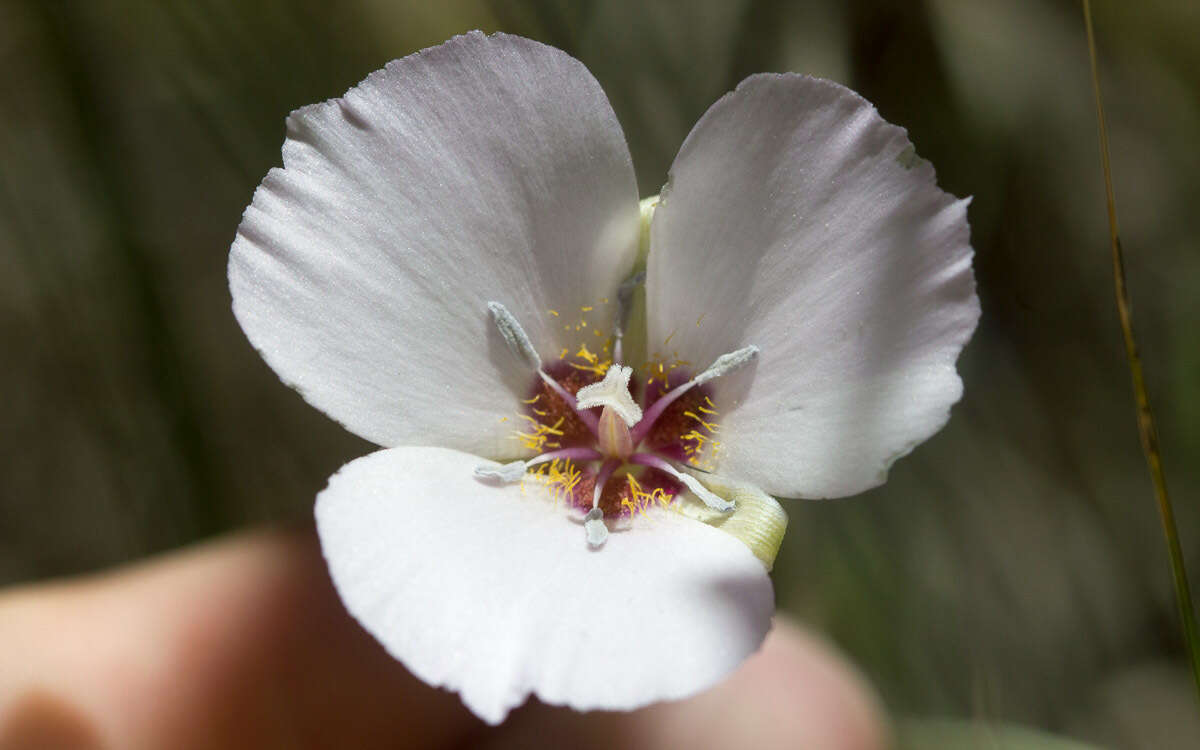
x,y
723,365
586,417
606,471
571,454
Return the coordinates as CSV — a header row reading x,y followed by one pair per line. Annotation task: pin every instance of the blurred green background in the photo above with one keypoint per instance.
x,y
1012,569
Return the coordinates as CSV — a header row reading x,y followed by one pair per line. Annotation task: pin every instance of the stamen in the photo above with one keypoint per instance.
x,y
570,454
519,344
724,364
514,470
593,522
708,497
612,392
514,335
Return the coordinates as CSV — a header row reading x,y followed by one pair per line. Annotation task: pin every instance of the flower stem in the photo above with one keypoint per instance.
x,y
1145,417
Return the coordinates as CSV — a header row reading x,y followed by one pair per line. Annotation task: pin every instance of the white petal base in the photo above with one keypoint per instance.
x,y
494,593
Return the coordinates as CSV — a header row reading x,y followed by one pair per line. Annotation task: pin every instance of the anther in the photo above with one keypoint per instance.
x,y
503,473
727,363
593,526
514,335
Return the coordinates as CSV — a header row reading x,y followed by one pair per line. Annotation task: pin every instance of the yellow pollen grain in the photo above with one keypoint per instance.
x,y
586,309
553,312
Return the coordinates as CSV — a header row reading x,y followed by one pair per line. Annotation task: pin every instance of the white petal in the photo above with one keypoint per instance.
x,y
797,220
495,593
487,168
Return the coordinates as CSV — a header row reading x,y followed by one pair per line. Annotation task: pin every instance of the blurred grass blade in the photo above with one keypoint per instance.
x,y
1146,428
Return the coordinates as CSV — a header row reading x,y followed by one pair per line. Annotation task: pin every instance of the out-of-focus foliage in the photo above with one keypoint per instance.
x,y
964,735
1011,569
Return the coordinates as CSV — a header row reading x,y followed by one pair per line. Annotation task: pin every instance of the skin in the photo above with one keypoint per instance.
x,y
243,643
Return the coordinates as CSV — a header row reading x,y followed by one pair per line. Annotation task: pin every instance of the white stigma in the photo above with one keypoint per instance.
x,y
727,363
514,335
505,473
593,526
612,392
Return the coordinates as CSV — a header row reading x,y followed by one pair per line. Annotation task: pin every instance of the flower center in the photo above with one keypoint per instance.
x,y
618,462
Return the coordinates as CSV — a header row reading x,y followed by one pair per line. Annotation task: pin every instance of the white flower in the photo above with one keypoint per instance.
x,y
447,258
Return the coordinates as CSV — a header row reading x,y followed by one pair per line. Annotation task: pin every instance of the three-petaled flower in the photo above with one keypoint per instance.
x,y
454,256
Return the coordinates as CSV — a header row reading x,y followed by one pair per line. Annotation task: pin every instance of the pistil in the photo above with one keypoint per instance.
x,y
615,440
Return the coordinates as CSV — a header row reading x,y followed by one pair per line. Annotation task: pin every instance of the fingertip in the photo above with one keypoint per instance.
x,y
811,694
240,642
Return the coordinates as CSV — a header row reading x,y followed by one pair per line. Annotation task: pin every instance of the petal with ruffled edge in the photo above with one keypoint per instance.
x,y
486,168
798,220
493,592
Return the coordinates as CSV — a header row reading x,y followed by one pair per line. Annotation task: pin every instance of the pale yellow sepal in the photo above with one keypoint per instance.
x,y
757,520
